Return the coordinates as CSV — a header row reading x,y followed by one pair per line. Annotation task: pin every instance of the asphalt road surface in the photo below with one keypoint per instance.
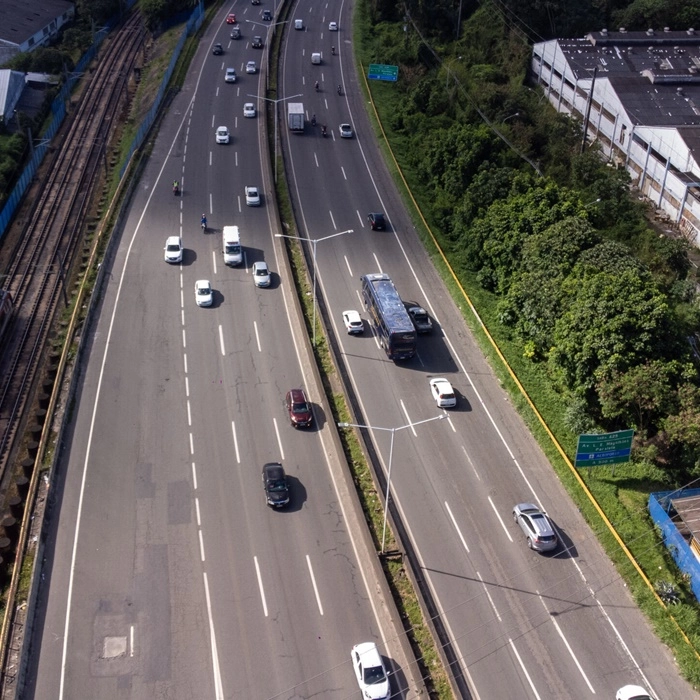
x,y
166,573
523,624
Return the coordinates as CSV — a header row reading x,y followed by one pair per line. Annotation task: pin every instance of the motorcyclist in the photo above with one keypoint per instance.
x,y
176,186
316,86
204,221
313,120
333,50
323,129
340,90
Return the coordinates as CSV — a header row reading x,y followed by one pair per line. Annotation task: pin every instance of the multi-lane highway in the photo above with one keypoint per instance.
x,y
524,625
166,574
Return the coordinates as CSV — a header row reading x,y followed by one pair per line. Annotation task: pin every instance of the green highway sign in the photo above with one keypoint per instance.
x,y
380,71
605,448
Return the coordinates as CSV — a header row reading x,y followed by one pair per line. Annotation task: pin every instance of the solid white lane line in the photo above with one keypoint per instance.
x,y
316,160
359,297
522,665
260,586
359,216
194,476
218,685
221,340
189,414
454,522
213,260
330,213
279,440
182,311
500,519
212,121
131,640
184,338
342,170
488,595
257,335
408,418
313,582
185,359
187,387
211,157
191,444
197,511
236,160
449,420
568,646
235,442
211,204
347,264
201,545
466,454
376,259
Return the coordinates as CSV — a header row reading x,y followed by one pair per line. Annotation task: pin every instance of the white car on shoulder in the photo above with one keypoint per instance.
x,y
370,672
353,322
252,196
222,135
248,109
443,393
203,293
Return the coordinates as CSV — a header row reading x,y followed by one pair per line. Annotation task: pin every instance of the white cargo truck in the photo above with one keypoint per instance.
x,y
295,116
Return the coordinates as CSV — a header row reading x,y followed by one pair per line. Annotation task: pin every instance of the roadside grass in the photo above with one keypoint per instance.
x,y
622,493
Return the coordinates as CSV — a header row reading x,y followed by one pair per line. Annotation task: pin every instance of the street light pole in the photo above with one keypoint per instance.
x,y
269,99
314,241
393,432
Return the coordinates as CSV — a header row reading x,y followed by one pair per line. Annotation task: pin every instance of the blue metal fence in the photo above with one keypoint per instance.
x,y
659,509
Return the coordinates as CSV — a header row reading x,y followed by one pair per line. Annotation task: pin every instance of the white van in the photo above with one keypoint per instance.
x,y
233,252
316,59
298,24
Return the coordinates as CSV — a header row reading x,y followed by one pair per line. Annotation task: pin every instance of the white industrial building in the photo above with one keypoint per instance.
x,y
26,25
639,95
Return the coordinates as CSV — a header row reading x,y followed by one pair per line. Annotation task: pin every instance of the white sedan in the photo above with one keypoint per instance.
x,y
353,322
370,672
632,692
251,67
173,249
230,76
252,196
345,131
203,293
222,135
332,26
443,393
261,274
248,109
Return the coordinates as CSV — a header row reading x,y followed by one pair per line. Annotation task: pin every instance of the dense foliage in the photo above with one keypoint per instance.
x,y
594,296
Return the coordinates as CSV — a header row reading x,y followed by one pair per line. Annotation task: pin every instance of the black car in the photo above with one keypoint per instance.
x,y
218,49
377,222
257,42
421,319
255,2
275,485
267,15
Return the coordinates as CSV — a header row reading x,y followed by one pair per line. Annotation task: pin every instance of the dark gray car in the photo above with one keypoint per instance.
x,y
421,319
275,485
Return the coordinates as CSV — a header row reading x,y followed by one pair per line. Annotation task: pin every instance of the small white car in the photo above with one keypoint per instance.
x,y
222,135
173,249
248,109
202,293
230,76
370,672
345,131
632,692
443,393
353,322
298,24
251,67
261,274
332,26
252,196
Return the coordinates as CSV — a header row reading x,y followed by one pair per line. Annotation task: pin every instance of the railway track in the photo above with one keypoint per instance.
x,y
41,265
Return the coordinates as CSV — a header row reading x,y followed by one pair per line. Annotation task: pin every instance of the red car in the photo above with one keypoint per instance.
x,y
231,19
298,408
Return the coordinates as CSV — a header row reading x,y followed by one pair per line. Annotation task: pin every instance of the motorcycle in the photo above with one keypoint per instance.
x,y
323,131
176,189
340,90
316,86
332,50
204,223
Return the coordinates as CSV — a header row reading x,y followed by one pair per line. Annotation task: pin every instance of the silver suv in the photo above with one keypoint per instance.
x,y
535,526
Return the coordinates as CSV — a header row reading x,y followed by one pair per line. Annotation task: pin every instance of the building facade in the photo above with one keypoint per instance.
x,y
638,96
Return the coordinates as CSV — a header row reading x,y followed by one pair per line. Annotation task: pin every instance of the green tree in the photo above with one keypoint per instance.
x,y
615,321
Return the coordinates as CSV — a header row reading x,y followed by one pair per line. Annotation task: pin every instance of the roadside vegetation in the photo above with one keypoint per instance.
x,y
591,307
